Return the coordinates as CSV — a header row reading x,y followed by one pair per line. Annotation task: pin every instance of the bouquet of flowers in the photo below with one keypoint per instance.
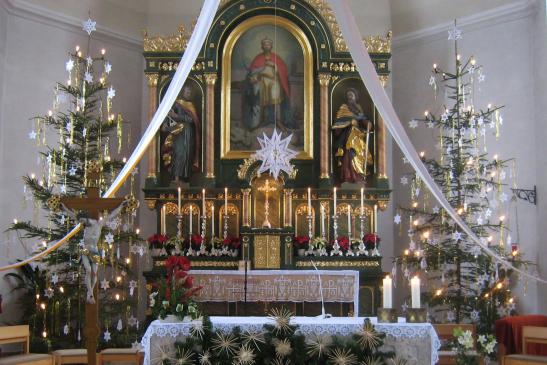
x,y
173,294
465,346
157,240
196,241
301,242
371,241
343,242
231,246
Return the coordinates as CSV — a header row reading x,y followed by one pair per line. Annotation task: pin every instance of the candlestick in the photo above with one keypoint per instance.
x,y
349,221
323,233
415,291
309,201
203,201
190,225
388,291
163,218
225,201
212,221
179,201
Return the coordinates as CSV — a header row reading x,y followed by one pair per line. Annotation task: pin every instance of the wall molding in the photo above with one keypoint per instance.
x,y
502,14
30,11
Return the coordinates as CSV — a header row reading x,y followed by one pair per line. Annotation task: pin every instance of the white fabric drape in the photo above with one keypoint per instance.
x,y
197,39
367,71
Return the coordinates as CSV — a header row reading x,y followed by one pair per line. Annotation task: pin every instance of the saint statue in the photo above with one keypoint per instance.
x,y
90,253
266,98
351,132
181,149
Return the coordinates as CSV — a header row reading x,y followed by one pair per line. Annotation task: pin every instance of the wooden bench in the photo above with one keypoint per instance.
x,y
446,333
128,355
70,356
530,334
20,334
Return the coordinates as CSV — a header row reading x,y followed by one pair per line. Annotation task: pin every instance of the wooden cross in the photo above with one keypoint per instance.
x,y
93,204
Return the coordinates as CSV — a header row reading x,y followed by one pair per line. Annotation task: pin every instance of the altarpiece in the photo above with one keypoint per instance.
x,y
269,65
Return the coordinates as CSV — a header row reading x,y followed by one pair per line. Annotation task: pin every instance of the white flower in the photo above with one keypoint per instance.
x,y
466,340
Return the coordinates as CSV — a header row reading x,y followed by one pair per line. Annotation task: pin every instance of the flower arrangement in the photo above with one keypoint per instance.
x,y
173,294
343,242
371,241
157,240
465,346
301,242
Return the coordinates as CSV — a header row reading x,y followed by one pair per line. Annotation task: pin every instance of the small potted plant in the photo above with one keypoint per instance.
x,y
235,246
465,347
343,242
171,298
156,243
300,244
320,246
372,241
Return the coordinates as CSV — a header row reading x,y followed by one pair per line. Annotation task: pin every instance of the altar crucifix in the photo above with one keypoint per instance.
x,y
267,189
92,205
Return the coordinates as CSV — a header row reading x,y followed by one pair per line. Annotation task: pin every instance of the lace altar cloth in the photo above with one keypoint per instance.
x,y
277,286
418,343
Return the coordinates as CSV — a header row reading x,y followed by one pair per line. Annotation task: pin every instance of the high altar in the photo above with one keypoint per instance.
x,y
268,65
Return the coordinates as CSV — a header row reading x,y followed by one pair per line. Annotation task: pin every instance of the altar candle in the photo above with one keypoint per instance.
x,y
415,291
225,201
179,205
388,291
190,225
362,201
309,201
163,217
375,218
212,221
203,201
322,221
349,221
335,201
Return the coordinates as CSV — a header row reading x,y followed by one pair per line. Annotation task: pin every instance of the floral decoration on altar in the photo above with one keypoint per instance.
x,y
319,246
196,245
173,294
464,345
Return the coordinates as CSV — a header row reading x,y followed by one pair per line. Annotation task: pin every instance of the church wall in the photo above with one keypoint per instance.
x,y
36,52
540,100
506,50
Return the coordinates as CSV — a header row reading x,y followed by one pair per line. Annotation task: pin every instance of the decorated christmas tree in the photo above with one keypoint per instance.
x,y
85,130
463,283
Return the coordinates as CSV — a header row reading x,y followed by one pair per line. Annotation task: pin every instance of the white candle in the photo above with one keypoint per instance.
x,y
415,291
179,204
225,201
362,201
388,291
212,221
163,218
349,221
203,201
190,225
322,221
375,218
309,201
334,201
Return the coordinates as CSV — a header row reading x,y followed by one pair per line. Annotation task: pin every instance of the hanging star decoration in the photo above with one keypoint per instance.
x,y
275,154
413,124
404,180
106,335
54,279
454,33
111,92
69,65
132,286
72,171
32,134
397,219
66,329
132,321
88,77
107,67
89,26
105,284
89,60
109,238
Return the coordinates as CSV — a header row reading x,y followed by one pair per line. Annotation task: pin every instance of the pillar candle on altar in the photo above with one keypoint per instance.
x,y
203,201
322,221
415,292
163,219
387,292
212,221
309,201
349,221
225,201
334,201
190,225
179,201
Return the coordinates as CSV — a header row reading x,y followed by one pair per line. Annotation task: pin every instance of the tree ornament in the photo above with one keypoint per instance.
x,y
54,203
275,154
89,26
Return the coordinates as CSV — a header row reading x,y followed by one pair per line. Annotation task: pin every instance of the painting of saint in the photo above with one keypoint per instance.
x,y
267,77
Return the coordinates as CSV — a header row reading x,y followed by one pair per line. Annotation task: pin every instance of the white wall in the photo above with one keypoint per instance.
x,y
501,42
35,50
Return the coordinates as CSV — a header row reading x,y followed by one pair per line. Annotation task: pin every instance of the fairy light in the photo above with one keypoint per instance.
x,y
68,82
417,253
117,296
425,235
511,300
407,252
438,292
458,57
44,243
460,211
103,51
32,176
37,296
118,279
14,220
422,154
490,238
435,66
486,295
41,182
496,157
493,174
44,334
124,160
79,54
426,113
499,285
49,113
128,260
489,105
43,306
138,230
415,205
61,289
502,218
473,61
77,48
416,222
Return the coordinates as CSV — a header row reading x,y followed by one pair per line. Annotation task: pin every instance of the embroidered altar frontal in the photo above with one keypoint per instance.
x,y
277,286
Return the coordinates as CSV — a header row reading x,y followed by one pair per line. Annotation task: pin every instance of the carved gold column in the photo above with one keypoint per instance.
x,y
381,148
152,106
324,80
246,207
210,79
287,207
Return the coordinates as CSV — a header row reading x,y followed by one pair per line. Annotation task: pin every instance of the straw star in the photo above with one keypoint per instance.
x,y
275,154
89,26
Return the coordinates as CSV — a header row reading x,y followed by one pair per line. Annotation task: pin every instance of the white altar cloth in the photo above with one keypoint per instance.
x,y
416,342
340,286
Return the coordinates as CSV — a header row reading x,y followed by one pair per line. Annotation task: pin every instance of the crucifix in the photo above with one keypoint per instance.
x,y
92,206
267,189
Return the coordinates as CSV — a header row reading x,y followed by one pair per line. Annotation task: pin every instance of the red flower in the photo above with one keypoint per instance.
x,y
171,263
236,243
192,292
227,241
371,238
189,282
196,239
184,263
301,241
168,293
157,239
343,242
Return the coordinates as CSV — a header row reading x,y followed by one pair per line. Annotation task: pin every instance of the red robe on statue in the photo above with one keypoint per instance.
x,y
260,62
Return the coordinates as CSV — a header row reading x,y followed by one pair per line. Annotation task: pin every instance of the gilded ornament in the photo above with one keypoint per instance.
x,y
94,166
132,204
339,263
151,203
244,167
379,44
324,79
54,203
171,208
210,78
382,204
173,43
152,79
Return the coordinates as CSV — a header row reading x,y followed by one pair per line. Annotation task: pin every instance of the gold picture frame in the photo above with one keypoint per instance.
x,y
227,152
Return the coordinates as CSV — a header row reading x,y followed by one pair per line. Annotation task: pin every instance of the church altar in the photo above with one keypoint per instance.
x,y
417,342
277,286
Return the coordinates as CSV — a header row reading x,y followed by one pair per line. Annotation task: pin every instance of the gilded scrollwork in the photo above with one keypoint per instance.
x,y
173,43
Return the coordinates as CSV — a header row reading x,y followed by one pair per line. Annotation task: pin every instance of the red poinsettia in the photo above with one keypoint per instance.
x,y
176,263
196,240
232,242
301,242
371,240
343,242
157,240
